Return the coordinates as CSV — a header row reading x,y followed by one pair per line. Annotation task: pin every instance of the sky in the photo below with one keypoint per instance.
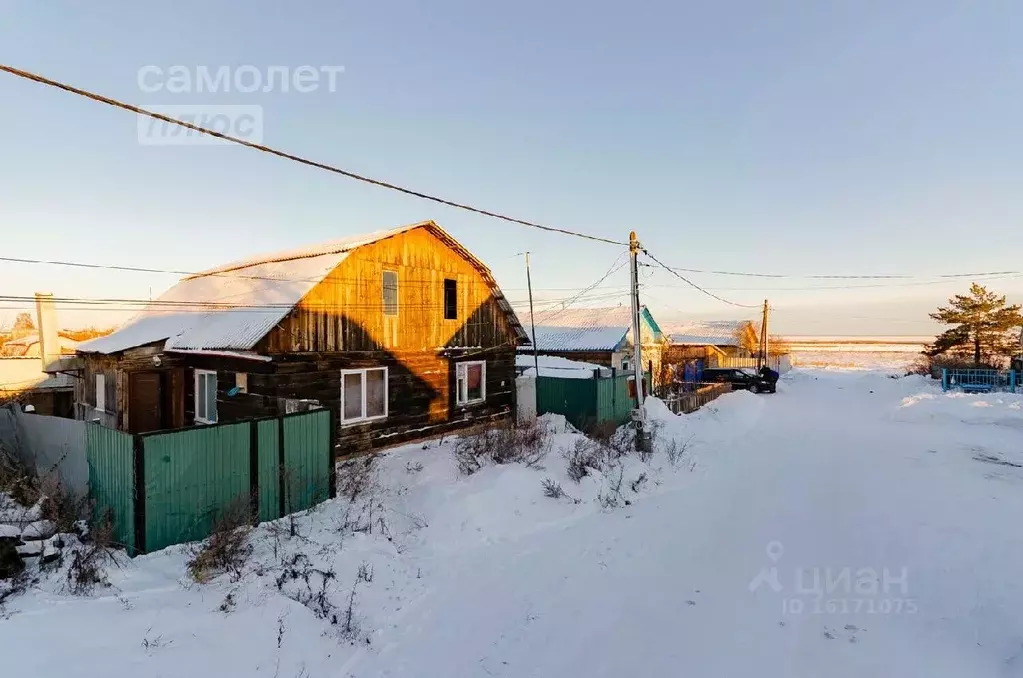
x,y
803,138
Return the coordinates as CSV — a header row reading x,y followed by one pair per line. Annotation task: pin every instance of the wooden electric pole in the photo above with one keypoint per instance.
x,y
643,440
763,356
532,320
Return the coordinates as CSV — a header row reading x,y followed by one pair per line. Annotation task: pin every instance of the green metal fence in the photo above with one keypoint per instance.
x,y
587,402
170,487
110,455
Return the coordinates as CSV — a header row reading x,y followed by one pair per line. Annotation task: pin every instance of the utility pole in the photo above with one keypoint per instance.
x,y
764,354
532,320
643,441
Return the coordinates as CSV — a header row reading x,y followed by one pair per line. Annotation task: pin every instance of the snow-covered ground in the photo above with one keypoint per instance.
x,y
850,525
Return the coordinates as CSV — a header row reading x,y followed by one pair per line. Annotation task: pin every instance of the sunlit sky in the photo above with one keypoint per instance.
x,y
798,138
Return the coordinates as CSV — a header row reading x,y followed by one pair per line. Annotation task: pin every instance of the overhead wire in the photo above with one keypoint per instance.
x,y
694,285
296,158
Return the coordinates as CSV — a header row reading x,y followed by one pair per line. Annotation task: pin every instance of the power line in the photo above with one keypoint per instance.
x,y
692,284
944,280
296,158
615,267
839,277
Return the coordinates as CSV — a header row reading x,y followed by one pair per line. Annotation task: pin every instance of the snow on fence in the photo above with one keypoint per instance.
x,y
167,488
779,363
689,401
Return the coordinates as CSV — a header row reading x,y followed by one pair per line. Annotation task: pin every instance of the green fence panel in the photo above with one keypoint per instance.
x,y
191,477
269,494
576,399
307,459
613,402
110,455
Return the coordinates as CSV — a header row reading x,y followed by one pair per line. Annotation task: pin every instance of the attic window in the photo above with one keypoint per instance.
x,y
450,299
390,283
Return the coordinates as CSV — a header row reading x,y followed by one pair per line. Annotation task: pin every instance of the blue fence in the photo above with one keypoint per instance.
x,y
978,380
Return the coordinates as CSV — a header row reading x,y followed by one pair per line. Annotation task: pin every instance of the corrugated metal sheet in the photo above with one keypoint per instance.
x,y
587,402
269,470
192,477
307,459
590,329
613,402
110,455
576,399
580,338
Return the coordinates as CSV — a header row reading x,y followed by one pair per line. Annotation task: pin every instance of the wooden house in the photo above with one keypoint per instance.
x,y
602,336
401,333
710,340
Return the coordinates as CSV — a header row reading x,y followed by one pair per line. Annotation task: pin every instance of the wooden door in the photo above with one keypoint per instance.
x,y
145,399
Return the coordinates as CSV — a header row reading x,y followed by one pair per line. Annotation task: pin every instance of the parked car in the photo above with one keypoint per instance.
x,y
741,379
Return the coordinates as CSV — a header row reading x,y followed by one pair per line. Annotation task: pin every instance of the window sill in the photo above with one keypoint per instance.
x,y
364,420
204,422
468,403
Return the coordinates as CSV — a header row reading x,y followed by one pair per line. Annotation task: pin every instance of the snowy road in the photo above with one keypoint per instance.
x,y
903,504
830,473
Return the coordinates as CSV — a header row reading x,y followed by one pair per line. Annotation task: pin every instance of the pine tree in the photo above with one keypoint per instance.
x,y
983,324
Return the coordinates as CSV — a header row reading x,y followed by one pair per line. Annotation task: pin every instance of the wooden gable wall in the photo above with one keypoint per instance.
x,y
345,312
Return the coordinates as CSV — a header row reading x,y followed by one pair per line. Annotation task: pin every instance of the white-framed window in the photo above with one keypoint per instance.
x,y
205,397
363,394
101,393
470,382
390,283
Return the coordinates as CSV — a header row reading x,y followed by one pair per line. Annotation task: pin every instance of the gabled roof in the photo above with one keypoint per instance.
x,y
587,329
232,307
707,332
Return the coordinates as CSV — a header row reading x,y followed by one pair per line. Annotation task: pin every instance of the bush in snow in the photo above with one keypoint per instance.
x,y
358,482
86,561
227,548
503,443
553,489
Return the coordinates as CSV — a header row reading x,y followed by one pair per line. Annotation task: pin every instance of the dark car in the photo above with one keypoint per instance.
x,y
741,379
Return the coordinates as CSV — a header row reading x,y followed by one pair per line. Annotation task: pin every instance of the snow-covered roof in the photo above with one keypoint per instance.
x,y
232,307
706,332
586,329
581,329
549,338
556,366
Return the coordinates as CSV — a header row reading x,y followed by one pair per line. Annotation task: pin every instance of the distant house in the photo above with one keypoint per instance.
x,y
711,340
28,367
401,334
29,346
602,336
